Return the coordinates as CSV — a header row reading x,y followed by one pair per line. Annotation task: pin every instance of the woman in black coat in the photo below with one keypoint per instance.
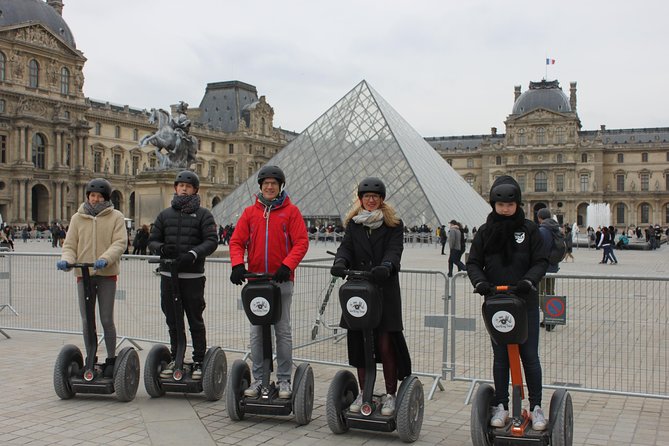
x,y
373,241
508,250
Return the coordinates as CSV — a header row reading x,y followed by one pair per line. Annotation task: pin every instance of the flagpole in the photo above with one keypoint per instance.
x,y
546,68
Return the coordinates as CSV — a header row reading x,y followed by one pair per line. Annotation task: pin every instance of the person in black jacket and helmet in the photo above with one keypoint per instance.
x,y
185,232
508,250
374,241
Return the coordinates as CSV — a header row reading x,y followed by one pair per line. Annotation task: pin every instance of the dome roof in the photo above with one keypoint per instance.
x,y
545,94
13,12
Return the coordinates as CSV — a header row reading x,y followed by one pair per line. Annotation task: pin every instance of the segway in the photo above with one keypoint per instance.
x,y
261,299
360,301
214,365
72,374
505,318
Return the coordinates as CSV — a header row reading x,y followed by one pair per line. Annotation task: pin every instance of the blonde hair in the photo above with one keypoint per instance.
x,y
390,217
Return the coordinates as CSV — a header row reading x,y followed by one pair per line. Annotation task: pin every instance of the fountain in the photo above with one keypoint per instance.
x,y
598,215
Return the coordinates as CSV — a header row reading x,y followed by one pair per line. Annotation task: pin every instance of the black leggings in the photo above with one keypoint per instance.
x,y
389,361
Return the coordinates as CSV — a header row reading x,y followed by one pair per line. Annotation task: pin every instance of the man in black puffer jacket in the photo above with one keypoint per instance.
x,y
185,232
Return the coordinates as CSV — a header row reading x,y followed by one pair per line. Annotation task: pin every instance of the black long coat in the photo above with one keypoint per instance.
x,y
362,250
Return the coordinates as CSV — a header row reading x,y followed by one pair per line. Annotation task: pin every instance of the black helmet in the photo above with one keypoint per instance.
x,y
186,176
505,190
271,172
99,185
372,184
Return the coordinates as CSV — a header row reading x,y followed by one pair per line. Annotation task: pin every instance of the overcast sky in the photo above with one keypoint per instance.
x,y
448,67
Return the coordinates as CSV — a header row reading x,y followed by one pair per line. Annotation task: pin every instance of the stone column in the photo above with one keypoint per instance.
x,y
21,150
57,187
22,200
57,152
29,137
16,200
29,201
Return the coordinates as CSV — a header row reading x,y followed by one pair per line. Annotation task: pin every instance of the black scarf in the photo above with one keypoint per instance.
x,y
500,238
186,203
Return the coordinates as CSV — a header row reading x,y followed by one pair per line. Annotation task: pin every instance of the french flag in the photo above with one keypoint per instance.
x,y
550,61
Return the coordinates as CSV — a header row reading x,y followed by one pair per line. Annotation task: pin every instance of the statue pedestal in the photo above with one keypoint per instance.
x,y
153,193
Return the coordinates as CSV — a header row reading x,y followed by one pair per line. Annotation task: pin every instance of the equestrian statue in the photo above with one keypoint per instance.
x,y
172,136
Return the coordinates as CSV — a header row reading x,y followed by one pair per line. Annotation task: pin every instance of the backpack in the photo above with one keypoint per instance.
x,y
559,248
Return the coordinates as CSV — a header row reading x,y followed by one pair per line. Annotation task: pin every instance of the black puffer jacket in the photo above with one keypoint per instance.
x,y
529,260
188,232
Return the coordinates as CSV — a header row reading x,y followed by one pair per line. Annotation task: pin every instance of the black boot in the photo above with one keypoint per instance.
x,y
109,367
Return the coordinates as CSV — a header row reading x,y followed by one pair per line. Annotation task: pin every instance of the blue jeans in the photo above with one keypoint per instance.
x,y
529,355
284,339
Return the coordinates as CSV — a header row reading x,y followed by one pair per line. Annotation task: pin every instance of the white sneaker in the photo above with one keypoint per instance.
x,y
196,374
538,419
284,389
355,406
499,416
254,389
167,372
388,407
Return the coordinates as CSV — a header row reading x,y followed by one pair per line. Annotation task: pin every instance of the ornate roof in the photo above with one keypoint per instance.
x,y
545,94
15,12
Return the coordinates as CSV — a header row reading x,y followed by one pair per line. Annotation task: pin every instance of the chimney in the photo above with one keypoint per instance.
x,y
602,127
57,5
572,96
493,131
516,92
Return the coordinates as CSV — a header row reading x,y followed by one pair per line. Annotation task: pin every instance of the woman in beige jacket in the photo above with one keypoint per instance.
x,y
97,235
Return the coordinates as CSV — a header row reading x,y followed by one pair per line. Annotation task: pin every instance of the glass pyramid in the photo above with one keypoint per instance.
x,y
360,136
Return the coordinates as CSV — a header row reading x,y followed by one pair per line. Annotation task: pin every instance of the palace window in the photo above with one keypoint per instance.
x,y
621,158
3,65
117,131
64,81
620,183
541,136
584,157
39,151
213,147
521,182
135,134
97,161
644,157
560,135
666,214
620,213
68,153
117,164
645,179
558,158
645,213
212,172
559,183
666,180
135,165
98,129
498,160
470,163
470,180
521,159
449,161
231,149
3,149
521,137
540,182
33,73
585,180
231,175
2,105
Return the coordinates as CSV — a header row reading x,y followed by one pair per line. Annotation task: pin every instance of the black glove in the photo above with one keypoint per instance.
x,y
483,288
169,251
282,274
338,269
237,275
380,273
185,260
524,286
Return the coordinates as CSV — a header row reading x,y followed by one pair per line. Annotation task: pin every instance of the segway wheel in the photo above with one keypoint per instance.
x,y
126,374
156,360
214,374
238,381
303,394
68,363
479,423
410,410
342,392
561,419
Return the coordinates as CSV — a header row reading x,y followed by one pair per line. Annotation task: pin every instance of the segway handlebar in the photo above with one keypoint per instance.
x,y
163,261
81,265
258,276
355,274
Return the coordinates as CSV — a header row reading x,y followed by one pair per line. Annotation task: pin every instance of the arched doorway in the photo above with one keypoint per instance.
x,y
535,209
582,214
117,199
40,204
215,201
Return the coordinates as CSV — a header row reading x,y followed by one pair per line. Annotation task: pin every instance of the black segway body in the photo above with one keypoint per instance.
x,y
505,318
361,304
214,365
261,299
73,374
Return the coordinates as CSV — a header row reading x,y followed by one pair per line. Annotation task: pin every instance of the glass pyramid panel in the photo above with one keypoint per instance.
x,y
359,136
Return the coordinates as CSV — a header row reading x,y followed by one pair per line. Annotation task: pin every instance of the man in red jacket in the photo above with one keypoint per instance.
x,y
275,236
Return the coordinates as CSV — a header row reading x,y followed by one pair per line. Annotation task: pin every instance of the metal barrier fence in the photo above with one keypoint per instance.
x,y
615,340
37,297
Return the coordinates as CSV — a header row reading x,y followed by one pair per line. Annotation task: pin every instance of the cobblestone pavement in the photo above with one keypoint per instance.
x,y
33,415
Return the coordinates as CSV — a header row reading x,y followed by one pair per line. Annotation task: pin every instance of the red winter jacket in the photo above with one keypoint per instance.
x,y
272,237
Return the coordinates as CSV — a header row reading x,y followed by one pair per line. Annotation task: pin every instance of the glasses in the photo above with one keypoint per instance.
x,y
370,197
270,183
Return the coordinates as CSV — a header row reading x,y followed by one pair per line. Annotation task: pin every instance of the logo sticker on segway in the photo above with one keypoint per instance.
x,y
356,306
503,321
259,306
